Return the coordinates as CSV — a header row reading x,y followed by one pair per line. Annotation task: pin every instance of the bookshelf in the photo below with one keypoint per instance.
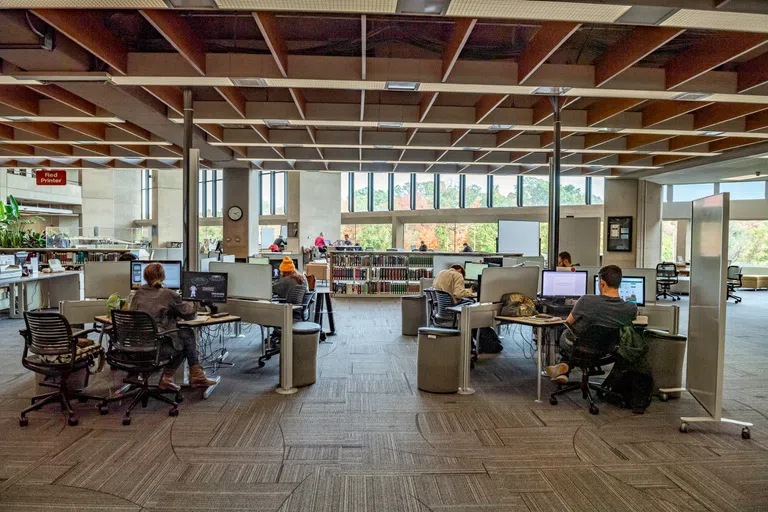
x,y
378,274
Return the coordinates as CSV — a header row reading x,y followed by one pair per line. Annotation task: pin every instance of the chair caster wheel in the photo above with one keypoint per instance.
x,y
683,427
261,364
72,421
103,411
553,401
745,433
126,421
179,398
593,409
23,422
173,412
663,397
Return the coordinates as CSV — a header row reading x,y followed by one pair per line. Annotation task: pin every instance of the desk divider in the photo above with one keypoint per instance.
x,y
472,317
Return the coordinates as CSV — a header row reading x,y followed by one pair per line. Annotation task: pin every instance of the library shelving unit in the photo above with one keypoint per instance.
x,y
70,257
378,274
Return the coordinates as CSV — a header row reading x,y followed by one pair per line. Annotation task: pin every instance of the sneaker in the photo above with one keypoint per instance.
x,y
556,370
560,379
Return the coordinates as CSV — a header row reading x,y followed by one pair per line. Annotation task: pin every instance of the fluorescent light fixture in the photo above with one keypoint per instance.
x,y
379,146
402,86
379,161
249,82
48,211
277,123
713,134
746,177
497,127
646,15
192,4
692,96
422,7
607,129
390,124
471,148
551,91
64,119
284,145
64,76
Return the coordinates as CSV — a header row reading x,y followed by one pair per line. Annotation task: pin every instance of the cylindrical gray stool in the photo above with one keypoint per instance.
x,y
306,337
439,359
666,353
414,313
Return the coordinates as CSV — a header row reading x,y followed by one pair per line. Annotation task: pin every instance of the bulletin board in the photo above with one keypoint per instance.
x,y
619,235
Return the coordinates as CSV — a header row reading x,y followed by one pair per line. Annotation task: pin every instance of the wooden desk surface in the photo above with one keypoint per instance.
x,y
200,321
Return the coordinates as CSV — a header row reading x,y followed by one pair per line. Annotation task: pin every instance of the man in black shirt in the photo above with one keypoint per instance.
x,y
279,242
467,248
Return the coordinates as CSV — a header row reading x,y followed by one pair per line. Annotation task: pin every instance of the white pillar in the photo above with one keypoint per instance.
x,y
241,190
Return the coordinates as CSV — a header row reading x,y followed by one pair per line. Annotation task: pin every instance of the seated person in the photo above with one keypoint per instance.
x,y
289,279
423,247
604,310
280,243
347,241
451,280
320,243
165,306
127,256
466,248
564,259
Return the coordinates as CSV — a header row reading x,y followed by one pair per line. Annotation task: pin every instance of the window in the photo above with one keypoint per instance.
x,y
449,190
573,190
475,191
425,191
402,191
273,187
376,237
664,193
597,190
504,191
279,182
668,240
268,233
146,194
747,242
535,191
209,235
692,192
265,207
360,185
210,200
451,237
380,191
744,190
345,192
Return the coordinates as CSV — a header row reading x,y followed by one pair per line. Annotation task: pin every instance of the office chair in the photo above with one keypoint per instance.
x,y
666,277
431,305
444,317
733,282
51,349
134,347
591,351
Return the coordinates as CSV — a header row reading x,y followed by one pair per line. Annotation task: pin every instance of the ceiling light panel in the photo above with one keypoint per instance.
x,y
527,10
356,6
195,81
402,86
368,85
423,7
718,20
85,4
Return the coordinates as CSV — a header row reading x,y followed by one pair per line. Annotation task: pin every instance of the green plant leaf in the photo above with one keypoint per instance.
x,y
14,206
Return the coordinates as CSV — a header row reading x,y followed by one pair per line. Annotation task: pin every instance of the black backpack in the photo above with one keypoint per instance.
x,y
488,341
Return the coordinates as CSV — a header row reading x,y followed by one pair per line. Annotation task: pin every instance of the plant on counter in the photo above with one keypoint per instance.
x,y
12,227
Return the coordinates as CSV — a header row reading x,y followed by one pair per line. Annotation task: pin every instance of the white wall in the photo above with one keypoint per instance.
x,y
751,209
319,206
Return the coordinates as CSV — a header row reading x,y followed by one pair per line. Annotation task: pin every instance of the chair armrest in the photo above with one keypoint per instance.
x,y
84,332
169,331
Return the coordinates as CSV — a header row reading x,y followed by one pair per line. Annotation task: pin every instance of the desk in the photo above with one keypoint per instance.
x,y
324,298
540,324
199,322
61,286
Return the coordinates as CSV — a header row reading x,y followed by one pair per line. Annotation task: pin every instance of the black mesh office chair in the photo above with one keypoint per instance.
x,y
431,305
591,352
51,349
666,278
134,347
734,281
443,316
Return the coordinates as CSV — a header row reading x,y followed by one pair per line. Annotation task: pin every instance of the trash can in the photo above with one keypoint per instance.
x,y
306,336
414,313
666,353
439,357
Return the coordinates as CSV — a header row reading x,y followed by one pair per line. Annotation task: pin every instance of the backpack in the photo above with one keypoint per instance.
x,y
488,341
516,305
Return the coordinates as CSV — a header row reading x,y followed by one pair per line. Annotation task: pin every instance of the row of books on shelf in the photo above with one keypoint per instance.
x,y
373,288
391,274
381,260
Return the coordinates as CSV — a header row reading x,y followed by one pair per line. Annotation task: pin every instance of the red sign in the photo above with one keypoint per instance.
x,y
51,177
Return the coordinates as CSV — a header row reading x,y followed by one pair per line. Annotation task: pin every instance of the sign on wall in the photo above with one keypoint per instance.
x,y
51,177
620,234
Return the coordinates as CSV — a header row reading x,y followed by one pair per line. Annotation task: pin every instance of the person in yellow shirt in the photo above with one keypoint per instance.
x,y
451,280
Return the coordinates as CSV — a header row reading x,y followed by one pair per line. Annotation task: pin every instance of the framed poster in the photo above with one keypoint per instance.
x,y
620,234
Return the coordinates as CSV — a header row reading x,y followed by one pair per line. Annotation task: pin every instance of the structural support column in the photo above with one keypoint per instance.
x,y
241,191
554,189
190,166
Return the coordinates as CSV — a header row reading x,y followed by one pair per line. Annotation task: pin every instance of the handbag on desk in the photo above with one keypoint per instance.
x,y
517,305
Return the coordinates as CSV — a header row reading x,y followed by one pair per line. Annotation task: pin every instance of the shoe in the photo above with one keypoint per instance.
x,y
166,381
198,379
556,370
560,379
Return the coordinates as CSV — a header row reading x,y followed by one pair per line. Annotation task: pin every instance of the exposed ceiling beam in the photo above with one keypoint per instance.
x,y
660,160
65,97
542,45
487,104
758,121
176,31
664,110
607,108
6,132
234,97
95,130
45,130
268,26
637,140
641,42
592,140
86,28
462,29
20,98
131,128
722,112
731,143
173,97
753,73
714,51
686,141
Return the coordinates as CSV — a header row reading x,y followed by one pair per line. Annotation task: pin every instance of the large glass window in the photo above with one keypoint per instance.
x,y
449,191
475,191
451,237
380,191
535,191
425,191
573,190
402,191
744,190
345,192
504,191
668,240
279,180
598,190
265,207
361,191
748,242
210,200
374,237
692,192
268,233
146,194
273,188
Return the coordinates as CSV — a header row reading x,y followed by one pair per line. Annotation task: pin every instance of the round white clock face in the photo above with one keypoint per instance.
x,y
235,213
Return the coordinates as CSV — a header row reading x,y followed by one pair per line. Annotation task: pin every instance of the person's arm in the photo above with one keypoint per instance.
x,y
280,288
459,291
183,310
575,313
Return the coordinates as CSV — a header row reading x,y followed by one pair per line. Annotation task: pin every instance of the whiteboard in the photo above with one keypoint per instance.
x,y
519,236
246,281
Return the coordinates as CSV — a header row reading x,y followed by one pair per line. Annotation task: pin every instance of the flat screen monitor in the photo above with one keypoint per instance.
x,y
204,287
631,289
172,273
563,284
473,270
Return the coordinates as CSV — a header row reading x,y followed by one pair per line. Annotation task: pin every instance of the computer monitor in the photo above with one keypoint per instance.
x,y
204,287
563,284
172,273
472,270
631,289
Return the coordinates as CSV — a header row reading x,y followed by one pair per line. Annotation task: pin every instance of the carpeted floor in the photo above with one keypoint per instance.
x,y
363,438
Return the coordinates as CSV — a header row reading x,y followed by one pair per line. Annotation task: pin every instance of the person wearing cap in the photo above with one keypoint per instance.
x,y
289,279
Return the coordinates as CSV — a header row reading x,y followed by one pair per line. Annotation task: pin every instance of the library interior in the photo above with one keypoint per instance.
x,y
383,255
